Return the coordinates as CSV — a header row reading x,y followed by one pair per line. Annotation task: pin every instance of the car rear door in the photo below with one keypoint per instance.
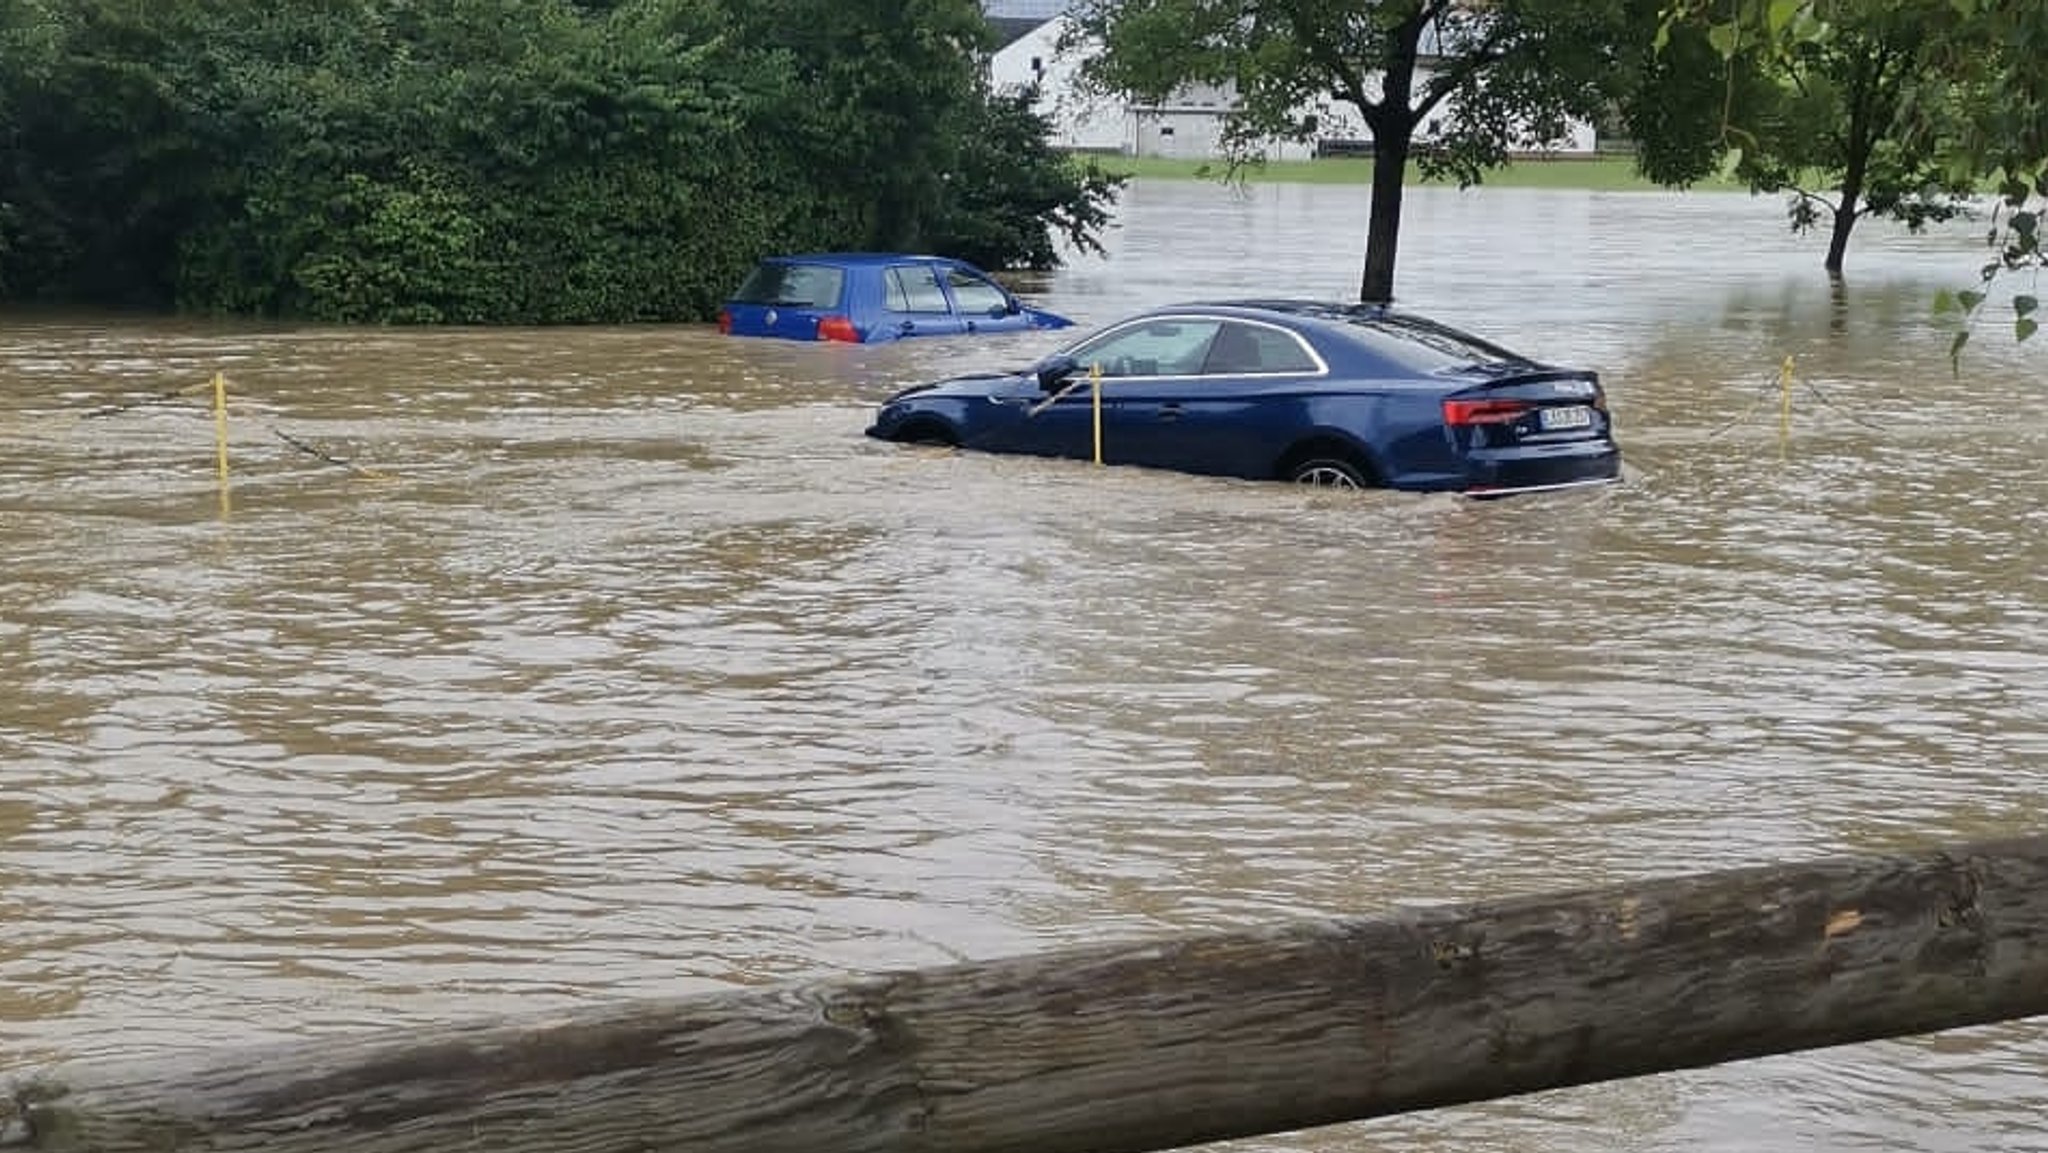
x,y
914,303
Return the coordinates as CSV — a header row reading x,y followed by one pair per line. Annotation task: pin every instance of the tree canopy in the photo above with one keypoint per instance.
x,y
1454,84
495,161
1831,121
1967,104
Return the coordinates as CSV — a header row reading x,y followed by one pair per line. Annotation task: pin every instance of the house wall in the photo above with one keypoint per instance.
x,y
1080,122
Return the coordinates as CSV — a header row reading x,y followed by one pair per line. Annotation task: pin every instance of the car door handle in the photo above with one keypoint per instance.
x,y
907,326
1169,412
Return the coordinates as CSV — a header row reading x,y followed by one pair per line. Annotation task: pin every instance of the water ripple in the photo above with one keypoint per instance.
x,y
620,664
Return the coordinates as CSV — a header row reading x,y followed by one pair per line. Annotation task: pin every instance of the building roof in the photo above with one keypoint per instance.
x,y
1038,11
1010,29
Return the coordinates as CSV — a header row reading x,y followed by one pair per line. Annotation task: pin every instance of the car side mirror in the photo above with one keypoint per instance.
x,y
999,311
1053,370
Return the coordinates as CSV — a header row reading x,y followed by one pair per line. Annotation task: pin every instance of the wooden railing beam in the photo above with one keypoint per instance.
x,y
1119,1048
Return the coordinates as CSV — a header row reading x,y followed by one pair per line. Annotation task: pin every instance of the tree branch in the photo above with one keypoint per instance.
x,y
1442,84
1814,198
1348,78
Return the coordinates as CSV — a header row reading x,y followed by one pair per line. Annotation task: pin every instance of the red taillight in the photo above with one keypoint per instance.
x,y
838,328
724,321
1460,413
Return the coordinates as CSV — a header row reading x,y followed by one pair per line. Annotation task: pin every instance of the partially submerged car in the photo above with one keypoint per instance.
x,y
867,297
1342,396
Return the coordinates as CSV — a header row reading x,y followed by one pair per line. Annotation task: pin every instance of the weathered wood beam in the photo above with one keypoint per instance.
x,y
1145,1045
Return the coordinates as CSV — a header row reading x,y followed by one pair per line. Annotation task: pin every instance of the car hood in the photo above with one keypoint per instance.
x,y
972,383
1040,318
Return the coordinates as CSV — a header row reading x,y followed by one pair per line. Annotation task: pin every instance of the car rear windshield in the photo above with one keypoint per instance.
x,y
792,285
1420,346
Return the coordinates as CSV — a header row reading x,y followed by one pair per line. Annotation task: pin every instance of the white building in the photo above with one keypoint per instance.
x,y
1080,123
1189,124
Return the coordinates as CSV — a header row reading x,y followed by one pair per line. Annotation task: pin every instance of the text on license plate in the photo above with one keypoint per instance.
x,y
1563,417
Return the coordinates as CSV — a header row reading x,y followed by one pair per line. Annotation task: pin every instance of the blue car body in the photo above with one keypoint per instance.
x,y
1345,396
868,297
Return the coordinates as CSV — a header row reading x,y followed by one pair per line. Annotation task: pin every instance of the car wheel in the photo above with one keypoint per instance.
x,y
928,432
1328,472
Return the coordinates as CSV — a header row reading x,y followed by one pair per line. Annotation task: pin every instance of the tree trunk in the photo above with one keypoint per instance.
x,y
1856,169
1845,221
1393,122
1383,230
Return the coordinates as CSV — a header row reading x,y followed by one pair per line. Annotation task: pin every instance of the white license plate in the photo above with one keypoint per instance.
x,y
1568,416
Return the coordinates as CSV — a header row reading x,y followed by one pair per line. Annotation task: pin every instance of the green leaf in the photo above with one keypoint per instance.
x,y
1944,302
1781,13
1955,348
1970,300
2024,304
2025,327
1724,38
1663,36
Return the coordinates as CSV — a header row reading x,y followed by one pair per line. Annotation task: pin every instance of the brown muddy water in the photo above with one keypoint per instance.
x,y
621,664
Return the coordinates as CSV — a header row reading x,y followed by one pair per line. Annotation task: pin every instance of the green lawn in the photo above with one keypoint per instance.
x,y
1600,174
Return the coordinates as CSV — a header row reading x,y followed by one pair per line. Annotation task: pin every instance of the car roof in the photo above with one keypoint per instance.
x,y
1271,309
851,259
1324,314
1341,321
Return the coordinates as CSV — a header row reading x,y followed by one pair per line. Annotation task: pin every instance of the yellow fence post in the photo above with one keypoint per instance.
x,y
1784,406
220,436
1095,388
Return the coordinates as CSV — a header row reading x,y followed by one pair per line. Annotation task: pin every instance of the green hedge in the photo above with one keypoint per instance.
x,y
501,161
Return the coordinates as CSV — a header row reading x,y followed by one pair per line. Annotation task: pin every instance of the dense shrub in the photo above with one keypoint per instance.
x,y
499,161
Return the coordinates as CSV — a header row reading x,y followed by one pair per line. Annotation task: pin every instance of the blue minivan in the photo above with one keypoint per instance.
x,y
869,297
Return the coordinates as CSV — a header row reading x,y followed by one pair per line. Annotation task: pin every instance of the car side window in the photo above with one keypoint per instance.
x,y
1168,346
1248,349
913,288
975,295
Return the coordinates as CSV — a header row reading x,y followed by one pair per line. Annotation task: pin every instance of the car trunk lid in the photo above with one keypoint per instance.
x,y
1526,407
767,320
795,300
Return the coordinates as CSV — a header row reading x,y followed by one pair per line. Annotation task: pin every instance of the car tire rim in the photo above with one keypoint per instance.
x,y
1325,476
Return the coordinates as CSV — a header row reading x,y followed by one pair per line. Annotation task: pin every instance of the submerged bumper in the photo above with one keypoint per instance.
x,y
1575,466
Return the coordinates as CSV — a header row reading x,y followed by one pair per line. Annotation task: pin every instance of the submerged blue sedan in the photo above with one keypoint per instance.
x,y
1341,396
868,297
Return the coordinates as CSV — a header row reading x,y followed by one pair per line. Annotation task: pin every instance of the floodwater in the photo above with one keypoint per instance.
x,y
616,662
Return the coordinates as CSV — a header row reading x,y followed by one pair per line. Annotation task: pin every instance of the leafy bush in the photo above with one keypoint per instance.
x,y
501,161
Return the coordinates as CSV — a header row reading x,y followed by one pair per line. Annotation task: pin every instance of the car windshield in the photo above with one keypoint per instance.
x,y
792,285
1420,346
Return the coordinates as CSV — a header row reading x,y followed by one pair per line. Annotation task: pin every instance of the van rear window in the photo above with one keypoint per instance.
x,y
792,285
